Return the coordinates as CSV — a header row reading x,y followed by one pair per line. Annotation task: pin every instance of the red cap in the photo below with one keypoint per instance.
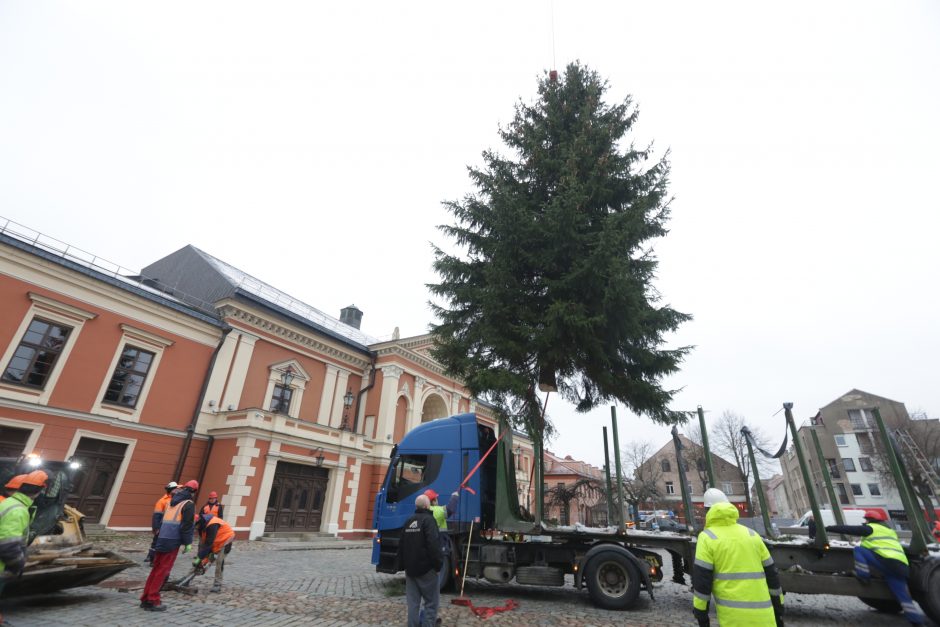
x,y
213,495
15,482
193,484
431,494
37,477
875,514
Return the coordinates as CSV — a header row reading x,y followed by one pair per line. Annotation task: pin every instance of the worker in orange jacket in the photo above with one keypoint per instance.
x,y
212,506
159,508
215,542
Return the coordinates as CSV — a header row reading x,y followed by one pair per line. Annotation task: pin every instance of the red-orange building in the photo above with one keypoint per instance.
x,y
101,368
288,413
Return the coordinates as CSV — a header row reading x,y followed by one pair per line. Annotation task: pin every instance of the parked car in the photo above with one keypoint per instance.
x,y
664,524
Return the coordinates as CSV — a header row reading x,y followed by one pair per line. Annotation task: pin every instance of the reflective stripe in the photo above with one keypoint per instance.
x,y
885,548
710,534
880,538
751,531
759,575
744,605
862,567
704,564
768,562
699,595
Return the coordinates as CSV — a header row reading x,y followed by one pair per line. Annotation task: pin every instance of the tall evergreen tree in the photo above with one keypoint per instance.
x,y
554,286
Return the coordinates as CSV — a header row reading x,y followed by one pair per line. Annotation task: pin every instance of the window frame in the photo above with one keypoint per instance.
x,y
52,311
298,384
856,489
665,466
37,349
876,491
132,372
144,340
840,436
275,396
867,462
848,464
670,488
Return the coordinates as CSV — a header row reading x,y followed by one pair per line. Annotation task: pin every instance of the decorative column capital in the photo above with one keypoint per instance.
x,y
392,371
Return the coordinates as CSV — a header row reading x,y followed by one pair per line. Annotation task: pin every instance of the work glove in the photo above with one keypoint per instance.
x,y
187,548
702,617
196,562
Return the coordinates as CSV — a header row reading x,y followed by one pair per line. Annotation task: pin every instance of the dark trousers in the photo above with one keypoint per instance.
x,y
868,563
423,588
162,565
152,551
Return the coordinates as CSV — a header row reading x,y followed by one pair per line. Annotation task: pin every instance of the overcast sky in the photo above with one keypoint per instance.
x,y
311,144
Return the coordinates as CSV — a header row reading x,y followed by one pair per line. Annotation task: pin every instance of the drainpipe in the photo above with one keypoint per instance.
x,y
375,357
191,429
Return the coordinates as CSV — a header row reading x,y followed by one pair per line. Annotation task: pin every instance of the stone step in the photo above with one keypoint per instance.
x,y
296,536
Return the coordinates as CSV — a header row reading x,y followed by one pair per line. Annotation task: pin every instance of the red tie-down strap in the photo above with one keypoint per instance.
x,y
463,484
486,612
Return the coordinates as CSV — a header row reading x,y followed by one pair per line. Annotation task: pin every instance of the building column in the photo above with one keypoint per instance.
x,y
242,467
417,407
388,402
239,371
264,492
335,496
326,397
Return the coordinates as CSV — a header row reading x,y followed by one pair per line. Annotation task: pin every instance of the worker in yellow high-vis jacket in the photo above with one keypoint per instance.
x,y
733,565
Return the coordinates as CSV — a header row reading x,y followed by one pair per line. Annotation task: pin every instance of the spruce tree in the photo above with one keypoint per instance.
x,y
552,288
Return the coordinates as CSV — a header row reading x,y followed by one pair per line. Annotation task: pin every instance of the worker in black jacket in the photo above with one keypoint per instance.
x,y
419,553
881,551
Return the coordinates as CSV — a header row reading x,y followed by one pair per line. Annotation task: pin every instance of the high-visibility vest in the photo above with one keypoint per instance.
x,y
211,508
737,556
162,503
223,536
440,515
884,542
172,518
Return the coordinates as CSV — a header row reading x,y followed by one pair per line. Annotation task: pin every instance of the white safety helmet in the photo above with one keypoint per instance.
x,y
714,495
172,485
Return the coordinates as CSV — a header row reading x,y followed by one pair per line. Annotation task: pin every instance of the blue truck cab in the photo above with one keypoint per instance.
x,y
436,455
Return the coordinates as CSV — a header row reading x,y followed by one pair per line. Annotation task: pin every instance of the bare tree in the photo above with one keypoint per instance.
x,y
727,441
563,494
641,475
925,433
695,457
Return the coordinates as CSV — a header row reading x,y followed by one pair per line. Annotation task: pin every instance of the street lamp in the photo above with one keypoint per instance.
x,y
287,375
347,403
317,455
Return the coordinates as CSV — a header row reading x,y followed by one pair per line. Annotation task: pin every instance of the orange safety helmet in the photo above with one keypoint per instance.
x,y
213,495
875,514
431,494
15,482
37,478
192,484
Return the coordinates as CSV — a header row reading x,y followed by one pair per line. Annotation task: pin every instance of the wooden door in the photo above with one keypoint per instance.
x,y
297,496
100,462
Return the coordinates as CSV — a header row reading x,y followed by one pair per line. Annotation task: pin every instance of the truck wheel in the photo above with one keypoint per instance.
x,y
930,600
888,606
612,580
444,576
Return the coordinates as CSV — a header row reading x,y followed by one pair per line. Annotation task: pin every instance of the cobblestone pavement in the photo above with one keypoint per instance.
x,y
267,585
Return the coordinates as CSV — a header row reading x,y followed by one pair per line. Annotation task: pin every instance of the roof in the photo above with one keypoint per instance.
x,y
79,261
193,272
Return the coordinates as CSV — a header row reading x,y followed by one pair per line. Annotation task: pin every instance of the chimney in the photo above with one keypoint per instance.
x,y
351,315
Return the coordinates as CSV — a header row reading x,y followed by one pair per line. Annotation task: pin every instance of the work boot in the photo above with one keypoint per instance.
x,y
155,608
216,587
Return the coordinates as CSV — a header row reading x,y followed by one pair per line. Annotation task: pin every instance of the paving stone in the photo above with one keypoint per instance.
x,y
340,588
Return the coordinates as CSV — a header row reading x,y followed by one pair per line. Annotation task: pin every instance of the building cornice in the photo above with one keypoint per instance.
x,y
264,323
10,403
418,359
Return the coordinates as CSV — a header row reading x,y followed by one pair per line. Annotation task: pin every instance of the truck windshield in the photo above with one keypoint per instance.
x,y
412,473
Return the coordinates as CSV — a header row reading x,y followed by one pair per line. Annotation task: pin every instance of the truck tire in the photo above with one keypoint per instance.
x,y
930,600
612,580
888,606
444,576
